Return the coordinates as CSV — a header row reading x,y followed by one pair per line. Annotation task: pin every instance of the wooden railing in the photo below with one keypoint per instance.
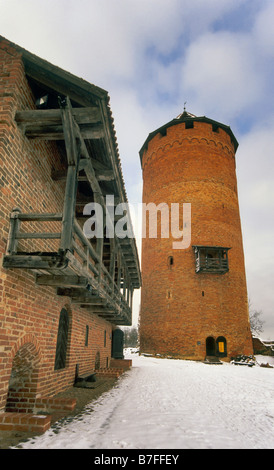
x,y
82,260
212,264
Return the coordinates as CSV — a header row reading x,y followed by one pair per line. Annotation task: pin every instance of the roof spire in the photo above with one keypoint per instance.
x,y
185,114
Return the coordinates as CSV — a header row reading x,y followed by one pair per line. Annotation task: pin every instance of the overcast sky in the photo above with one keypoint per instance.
x,y
152,56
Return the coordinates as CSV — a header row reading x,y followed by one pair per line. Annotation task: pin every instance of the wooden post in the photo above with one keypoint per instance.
x,y
112,262
13,231
73,156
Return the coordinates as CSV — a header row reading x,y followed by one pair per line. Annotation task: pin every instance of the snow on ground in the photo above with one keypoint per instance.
x,y
175,404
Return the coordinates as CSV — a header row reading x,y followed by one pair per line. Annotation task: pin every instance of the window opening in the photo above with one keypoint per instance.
x,y
62,340
212,259
189,125
170,261
87,333
221,346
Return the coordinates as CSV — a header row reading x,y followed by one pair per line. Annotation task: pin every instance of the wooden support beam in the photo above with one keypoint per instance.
x,y
73,157
27,261
69,209
56,133
101,175
61,281
32,217
47,124
38,235
49,117
13,231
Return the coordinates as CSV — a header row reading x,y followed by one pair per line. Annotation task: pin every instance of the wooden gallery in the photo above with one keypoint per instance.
x,y
62,296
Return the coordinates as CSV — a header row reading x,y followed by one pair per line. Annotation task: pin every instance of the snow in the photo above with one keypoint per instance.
x,y
175,404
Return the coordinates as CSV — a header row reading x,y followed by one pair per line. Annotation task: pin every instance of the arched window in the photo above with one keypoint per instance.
x,y
221,346
62,340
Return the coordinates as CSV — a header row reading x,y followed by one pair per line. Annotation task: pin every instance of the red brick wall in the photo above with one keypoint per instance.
x,y
180,308
29,315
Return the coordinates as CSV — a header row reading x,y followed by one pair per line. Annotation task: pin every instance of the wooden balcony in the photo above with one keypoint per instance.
x,y
99,275
211,259
79,273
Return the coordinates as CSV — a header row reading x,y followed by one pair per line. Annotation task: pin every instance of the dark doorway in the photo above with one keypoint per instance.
x,y
117,344
210,346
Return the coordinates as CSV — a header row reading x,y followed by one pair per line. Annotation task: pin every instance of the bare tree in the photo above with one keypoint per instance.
x,y
256,323
131,337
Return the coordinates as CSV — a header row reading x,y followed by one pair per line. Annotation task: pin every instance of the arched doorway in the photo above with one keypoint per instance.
x,y
117,351
23,380
210,346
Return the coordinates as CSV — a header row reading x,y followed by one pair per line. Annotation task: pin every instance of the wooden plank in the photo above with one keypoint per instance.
x,y
61,281
56,133
69,209
69,135
44,117
101,175
37,235
31,217
32,262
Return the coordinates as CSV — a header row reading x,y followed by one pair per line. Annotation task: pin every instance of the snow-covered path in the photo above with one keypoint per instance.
x,y
174,404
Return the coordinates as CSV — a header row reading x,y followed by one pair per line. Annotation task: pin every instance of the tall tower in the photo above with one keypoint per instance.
x,y
194,300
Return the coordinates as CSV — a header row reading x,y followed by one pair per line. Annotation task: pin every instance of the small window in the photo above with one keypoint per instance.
x,y
215,128
189,124
163,132
170,261
86,337
105,338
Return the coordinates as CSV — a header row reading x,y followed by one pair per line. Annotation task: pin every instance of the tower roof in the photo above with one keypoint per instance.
x,y
186,116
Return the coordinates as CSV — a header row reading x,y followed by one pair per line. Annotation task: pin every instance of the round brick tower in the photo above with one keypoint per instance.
x,y
194,299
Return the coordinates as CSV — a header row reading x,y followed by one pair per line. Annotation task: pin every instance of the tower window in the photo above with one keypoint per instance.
x,y
211,259
189,125
170,261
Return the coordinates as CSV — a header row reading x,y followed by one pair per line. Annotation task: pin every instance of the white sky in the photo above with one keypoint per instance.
x,y
152,56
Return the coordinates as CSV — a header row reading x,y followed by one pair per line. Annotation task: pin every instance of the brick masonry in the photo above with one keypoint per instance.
x,y
26,423
179,307
29,314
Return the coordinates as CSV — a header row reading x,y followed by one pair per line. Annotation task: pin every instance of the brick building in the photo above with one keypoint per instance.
x,y
61,295
194,300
